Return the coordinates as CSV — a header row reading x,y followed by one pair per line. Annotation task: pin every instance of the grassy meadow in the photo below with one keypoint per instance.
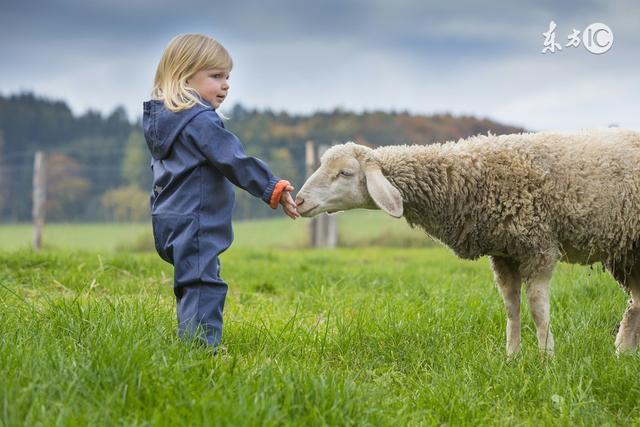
x,y
361,335
356,229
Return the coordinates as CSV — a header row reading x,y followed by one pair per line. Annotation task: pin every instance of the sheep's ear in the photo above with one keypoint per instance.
x,y
386,196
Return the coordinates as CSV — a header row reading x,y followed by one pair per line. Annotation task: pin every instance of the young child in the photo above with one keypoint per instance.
x,y
195,161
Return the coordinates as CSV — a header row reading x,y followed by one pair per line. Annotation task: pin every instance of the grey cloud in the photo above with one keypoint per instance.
x,y
300,56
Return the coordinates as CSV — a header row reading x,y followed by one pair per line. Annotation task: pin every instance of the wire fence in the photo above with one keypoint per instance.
x,y
78,190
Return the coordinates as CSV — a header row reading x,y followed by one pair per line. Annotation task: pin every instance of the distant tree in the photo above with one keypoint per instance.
x,y
117,124
110,153
101,158
67,191
33,123
126,204
5,177
282,164
135,163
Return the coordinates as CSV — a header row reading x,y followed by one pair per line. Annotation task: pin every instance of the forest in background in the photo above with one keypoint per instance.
x,y
97,166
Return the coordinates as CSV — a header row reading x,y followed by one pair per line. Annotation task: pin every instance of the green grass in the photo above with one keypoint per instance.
x,y
355,229
346,337
101,236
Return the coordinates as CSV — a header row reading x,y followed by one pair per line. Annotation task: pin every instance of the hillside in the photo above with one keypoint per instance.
x,y
98,164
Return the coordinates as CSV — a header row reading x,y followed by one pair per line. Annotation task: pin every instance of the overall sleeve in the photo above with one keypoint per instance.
x,y
224,150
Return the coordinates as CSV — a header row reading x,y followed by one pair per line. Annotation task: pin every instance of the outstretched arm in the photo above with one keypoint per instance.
x,y
224,150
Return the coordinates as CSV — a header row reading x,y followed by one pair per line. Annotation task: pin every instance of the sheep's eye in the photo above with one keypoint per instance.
x,y
346,173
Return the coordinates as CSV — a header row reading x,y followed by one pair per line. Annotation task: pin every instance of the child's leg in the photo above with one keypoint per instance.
x,y
199,306
199,312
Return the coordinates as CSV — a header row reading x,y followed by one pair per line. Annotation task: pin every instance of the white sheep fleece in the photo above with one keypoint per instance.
x,y
526,200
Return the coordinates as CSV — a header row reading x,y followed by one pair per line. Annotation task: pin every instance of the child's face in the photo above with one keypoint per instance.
x,y
212,85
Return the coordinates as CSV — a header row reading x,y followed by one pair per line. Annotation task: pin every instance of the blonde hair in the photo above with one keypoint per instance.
x,y
184,56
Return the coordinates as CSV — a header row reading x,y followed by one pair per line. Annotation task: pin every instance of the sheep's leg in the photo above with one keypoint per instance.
x,y
537,275
627,338
507,277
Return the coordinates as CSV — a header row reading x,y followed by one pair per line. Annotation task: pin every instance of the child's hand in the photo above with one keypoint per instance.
x,y
288,204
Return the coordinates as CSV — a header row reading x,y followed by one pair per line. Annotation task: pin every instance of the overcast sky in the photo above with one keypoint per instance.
x,y
480,58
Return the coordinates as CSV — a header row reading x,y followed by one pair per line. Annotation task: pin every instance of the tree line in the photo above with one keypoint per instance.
x,y
97,165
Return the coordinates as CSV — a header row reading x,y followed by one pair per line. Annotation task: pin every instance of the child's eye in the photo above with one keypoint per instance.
x,y
219,76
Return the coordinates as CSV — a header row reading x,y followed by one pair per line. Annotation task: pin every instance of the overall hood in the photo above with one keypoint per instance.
x,y
162,126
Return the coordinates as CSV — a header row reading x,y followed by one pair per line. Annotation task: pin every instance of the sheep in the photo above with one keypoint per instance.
x,y
525,200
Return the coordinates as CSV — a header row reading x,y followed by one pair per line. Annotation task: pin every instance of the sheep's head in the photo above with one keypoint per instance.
x,y
349,177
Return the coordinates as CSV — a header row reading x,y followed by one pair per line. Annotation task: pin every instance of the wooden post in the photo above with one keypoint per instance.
x,y
39,192
332,231
323,229
332,223
310,163
326,223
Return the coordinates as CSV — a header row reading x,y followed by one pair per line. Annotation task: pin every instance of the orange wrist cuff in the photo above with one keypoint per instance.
x,y
277,192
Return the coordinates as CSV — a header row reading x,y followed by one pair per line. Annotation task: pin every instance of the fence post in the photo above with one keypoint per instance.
x,y
323,229
310,163
39,196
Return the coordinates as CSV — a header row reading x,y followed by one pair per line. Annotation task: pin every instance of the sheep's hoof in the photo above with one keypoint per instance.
x,y
622,350
512,353
511,357
547,352
615,330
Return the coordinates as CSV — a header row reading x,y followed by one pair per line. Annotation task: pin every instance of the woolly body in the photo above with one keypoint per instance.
x,y
526,200
577,195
